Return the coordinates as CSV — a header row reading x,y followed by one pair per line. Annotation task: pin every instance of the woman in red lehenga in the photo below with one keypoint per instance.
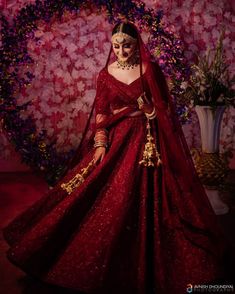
x,y
128,227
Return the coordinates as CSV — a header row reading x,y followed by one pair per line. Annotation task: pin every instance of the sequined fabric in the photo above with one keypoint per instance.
x,y
127,229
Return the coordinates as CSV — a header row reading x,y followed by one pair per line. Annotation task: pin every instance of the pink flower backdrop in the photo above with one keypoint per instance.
x,y
69,53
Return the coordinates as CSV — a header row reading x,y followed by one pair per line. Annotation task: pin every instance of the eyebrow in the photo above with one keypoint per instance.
x,y
122,43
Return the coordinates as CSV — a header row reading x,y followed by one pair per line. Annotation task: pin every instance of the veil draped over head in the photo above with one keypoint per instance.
x,y
195,214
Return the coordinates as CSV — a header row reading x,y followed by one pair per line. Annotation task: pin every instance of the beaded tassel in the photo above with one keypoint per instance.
x,y
78,179
151,156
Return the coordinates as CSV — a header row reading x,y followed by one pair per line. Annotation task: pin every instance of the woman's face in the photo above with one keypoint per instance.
x,y
124,51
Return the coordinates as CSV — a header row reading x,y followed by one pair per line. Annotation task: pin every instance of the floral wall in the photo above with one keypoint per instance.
x,y
69,53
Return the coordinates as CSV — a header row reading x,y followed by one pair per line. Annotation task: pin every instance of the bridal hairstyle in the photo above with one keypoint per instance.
x,y
126,28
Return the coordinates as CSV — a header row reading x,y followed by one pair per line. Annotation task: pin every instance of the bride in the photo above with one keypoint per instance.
x,y
130,216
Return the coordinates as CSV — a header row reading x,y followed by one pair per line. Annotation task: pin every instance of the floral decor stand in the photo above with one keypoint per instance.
x,y
210,164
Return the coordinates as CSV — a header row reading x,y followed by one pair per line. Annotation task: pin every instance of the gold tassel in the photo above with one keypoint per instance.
x,y
78,179
151,156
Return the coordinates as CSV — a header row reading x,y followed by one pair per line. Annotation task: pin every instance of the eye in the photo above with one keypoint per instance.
x,y
115,46
127,45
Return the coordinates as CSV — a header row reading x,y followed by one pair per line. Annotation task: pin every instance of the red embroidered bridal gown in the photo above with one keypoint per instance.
x,y
127,228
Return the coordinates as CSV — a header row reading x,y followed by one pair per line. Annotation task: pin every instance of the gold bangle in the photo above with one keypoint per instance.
x,y
100,144
151,115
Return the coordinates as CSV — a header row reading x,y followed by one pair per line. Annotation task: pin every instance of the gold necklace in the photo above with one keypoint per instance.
x,y
133,62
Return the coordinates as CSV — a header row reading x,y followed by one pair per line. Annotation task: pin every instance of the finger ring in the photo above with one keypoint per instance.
x,y
140,102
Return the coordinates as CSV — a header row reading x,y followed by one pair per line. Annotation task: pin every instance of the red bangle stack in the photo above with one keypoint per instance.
x,y
101,138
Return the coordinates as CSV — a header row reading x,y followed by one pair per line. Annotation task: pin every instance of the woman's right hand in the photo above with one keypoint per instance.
x,y
144,104
99,154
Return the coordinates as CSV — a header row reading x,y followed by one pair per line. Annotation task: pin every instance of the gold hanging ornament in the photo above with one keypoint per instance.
x,y
151,156
78,179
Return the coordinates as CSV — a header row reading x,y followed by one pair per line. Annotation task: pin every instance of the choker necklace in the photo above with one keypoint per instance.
x,y
128,64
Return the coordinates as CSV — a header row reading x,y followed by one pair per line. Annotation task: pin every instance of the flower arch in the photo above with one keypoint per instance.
x,y
37,148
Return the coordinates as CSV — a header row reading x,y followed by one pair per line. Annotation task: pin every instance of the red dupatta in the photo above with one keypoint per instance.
x,y
194,209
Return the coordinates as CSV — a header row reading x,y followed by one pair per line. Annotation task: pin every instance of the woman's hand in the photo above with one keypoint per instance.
x,y
99,154
147,108
144,105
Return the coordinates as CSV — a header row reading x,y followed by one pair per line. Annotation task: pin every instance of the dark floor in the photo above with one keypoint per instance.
x,y
30,188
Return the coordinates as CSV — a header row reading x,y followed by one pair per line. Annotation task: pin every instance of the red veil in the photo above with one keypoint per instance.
x,y
195,215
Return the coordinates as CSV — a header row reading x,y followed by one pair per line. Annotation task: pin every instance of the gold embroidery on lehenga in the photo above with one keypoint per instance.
x,y
78,179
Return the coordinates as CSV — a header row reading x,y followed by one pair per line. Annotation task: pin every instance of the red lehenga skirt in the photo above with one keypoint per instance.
x,y
111,235
127,229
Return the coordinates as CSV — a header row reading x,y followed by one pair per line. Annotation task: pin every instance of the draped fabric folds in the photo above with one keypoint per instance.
x,y
127,228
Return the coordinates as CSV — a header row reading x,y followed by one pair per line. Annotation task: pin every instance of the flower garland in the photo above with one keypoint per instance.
x,y
165,47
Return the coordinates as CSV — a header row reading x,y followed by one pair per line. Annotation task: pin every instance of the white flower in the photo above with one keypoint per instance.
x,y
206,37
48,91
44,106
89,51
74,56
71,90
57,98
198,7
48,75
89,97
75,139
70,47
76,106
80,86
37,115
215,34
209,21
39,69
67,78
48,36
184,85
61,137
83,41
65,92
59,72
58,86
75,74
101,36
66,122
54,43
